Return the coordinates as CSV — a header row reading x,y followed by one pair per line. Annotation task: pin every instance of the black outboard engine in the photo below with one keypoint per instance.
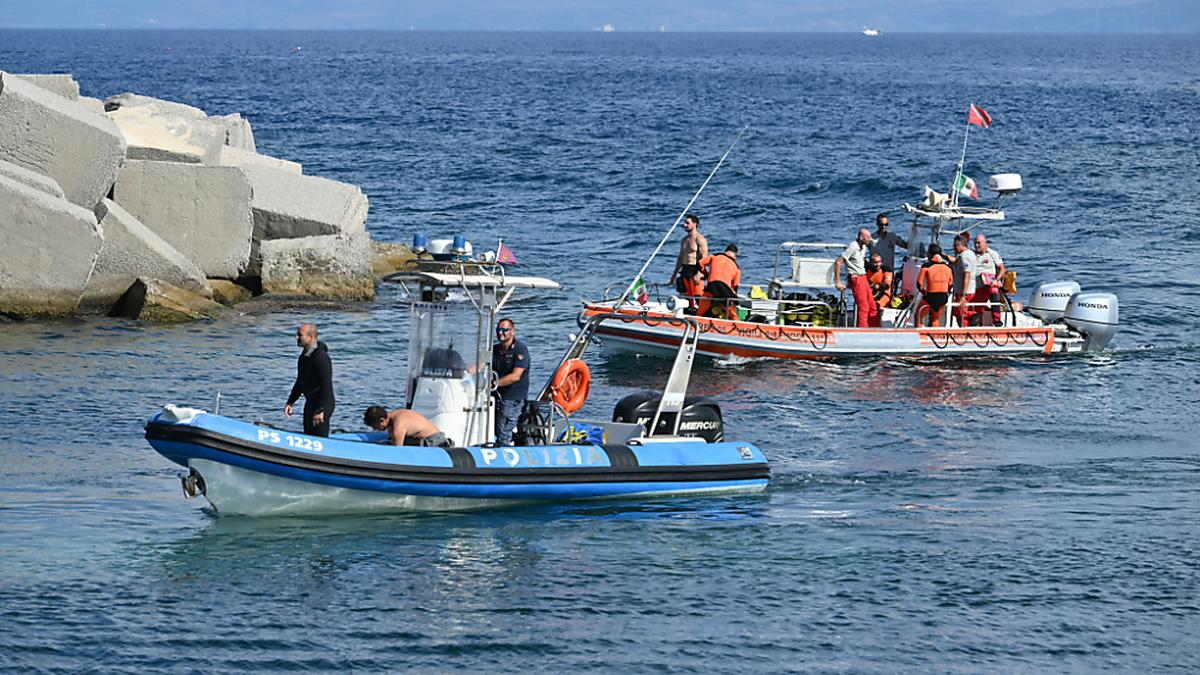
x,y
701,416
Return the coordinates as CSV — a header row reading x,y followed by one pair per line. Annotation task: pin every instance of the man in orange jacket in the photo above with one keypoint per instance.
x,y
935,281
880,279
724,275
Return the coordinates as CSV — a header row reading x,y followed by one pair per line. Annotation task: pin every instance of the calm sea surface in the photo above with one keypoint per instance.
x,y
1032,515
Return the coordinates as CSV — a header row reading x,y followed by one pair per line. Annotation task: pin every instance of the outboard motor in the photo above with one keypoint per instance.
x,y
1050,298
701,416
1094,315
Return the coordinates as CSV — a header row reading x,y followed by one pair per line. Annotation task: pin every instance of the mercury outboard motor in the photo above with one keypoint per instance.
x,y
1094,315
701,416
1049,300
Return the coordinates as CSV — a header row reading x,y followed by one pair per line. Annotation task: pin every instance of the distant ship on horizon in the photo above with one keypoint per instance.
x,y
608,28
871,32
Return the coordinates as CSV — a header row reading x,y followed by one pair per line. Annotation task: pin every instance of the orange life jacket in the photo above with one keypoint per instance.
x,y
721,267
936,277
881,286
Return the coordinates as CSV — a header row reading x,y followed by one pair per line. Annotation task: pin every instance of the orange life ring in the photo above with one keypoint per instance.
x,y
569,388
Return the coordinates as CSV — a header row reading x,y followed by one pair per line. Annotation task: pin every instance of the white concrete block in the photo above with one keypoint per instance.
x,y
231,156
62,85
50,247
132,250
238,133
62,139
287,205
326,266
201,211
31,178
162,134
131,100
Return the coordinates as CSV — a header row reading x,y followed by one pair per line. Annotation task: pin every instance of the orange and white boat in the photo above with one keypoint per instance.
x,y
801,315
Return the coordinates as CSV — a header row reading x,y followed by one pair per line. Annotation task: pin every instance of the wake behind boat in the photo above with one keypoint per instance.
x,y
669,444
803,314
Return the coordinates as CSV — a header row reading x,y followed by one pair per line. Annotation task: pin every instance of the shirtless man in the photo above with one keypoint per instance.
x,y
694,246
406,427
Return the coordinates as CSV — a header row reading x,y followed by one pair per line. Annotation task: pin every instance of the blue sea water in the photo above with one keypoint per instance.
x,y
979,515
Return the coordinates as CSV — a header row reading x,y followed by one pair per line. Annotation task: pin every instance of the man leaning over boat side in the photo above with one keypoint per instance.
x,y
964,279
723,275
314,381
406,427
510,363
853,258
692,249
884,242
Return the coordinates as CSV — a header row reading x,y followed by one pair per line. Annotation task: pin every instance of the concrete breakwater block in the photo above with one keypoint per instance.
x,y
162,133
31,178
158,301
238,133
326,266
130,251
201,211
231,156
229,293
50,247
131,100
62,85
288,205
62,139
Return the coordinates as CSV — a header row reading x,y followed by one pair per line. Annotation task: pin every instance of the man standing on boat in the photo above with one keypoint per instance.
x,y
314,381
856,272
990,269
510,363
692,249
885,242
964,279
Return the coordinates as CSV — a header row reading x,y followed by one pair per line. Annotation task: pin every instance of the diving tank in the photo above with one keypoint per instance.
x,y
1094,315
1049,301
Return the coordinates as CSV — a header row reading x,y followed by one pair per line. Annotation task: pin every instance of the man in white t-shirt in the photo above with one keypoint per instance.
x,y
989,274
964,278
854,258
885,242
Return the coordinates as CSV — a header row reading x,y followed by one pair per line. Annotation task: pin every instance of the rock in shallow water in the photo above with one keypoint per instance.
x,y
327,267
157,301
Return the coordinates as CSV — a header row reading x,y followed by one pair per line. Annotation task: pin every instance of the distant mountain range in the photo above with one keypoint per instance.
x,y
827,16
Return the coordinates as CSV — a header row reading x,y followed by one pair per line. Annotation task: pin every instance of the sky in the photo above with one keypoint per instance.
x,y
901,16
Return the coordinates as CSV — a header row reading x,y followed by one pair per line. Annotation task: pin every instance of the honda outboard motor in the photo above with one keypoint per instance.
x,y
701,416
1094,315
1049,300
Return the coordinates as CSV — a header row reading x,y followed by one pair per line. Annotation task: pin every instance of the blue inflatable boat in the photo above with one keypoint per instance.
x,y
654,445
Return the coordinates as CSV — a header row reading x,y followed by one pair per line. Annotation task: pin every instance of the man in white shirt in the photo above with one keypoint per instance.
x,y
989,270
885,242
964,278
856,272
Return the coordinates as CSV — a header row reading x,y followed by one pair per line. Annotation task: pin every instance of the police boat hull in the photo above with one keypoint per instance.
x,y
246,469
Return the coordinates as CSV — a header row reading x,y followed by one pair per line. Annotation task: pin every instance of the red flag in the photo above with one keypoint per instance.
x,y
503,255
978,117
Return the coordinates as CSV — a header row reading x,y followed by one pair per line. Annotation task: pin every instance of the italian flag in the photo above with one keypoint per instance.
x,y
639,291
966,187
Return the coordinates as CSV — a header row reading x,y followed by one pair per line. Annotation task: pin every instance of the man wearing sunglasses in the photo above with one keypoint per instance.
x,y
510,363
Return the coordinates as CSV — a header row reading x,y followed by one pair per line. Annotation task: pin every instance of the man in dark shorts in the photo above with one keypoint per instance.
x,y
686,278
935,281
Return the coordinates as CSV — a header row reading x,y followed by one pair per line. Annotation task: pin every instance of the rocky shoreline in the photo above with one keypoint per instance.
x,y
152,209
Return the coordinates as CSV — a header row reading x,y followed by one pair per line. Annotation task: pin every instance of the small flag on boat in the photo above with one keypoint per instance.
x,y
503,255
978,117
966,187
639,291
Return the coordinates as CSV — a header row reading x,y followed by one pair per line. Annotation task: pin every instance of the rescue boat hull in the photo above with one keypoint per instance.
x,y
246,469
645,332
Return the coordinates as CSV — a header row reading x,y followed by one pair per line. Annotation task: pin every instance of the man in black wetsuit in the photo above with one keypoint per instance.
x,y
314,380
